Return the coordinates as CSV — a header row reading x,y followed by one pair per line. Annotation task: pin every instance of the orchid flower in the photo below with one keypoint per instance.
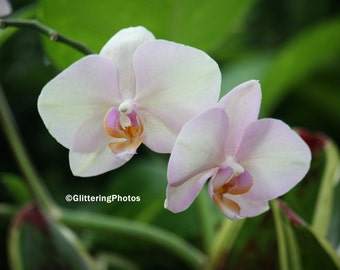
x,y
248,161
137,90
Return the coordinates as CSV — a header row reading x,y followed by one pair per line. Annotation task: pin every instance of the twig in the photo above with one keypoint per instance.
x,y
52,34
38,189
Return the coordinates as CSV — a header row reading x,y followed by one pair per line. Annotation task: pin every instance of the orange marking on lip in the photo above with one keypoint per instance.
x,y
131,136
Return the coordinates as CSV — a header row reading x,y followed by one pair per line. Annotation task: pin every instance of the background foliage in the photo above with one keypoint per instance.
x,y
291,47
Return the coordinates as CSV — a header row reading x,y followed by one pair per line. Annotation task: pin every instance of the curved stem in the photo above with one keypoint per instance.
x,y
223,241
51,33
110,225
207,223
35,185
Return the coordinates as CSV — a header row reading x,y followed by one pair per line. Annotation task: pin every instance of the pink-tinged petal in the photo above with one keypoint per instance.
x,y
199,146
224,183
120,50
181,197
92,164
242,105
174,84
73,104
248,208
275,156
240,184
221,177
5,8
159,137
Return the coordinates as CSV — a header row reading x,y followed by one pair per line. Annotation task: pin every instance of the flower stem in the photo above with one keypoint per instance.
x,y
223,241
117,226
35,185
52,34
207,223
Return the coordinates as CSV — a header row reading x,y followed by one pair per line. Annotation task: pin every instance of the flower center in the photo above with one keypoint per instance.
x,y
230,179
125,127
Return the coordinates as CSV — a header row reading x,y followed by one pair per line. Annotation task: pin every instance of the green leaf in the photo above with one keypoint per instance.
x,y
316,251
298,59
334,232
16,187
289,252
36,242
119,227
330,178
300,246
199,23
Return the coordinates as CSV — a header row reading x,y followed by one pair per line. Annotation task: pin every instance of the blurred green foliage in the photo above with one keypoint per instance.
x,y
292,47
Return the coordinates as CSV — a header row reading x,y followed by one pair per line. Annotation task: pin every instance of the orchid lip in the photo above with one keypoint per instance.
x,y
125,127
234,184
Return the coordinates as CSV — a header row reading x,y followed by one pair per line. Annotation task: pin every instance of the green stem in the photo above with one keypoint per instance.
x,y
117,226
51,33
224,240
105,260
205,219
36,187
324,205
280,234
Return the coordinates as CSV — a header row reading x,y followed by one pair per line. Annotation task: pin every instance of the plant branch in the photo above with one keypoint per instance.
x,y
224,240
35,185
117,226
52,34
207,223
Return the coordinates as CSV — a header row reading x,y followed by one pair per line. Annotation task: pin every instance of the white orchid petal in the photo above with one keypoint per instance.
x,y
159,137
198,147
179,198
120,50
74,103
242,105
174,84
91,164
248,207
275,156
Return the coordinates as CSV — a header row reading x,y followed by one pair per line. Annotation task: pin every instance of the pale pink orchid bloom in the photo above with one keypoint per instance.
x,y
5,8
137,90
248,161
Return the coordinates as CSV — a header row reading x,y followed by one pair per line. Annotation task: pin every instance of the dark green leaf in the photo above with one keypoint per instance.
x,y
330,177
289,252
36,243
299,243
316,251
334,232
